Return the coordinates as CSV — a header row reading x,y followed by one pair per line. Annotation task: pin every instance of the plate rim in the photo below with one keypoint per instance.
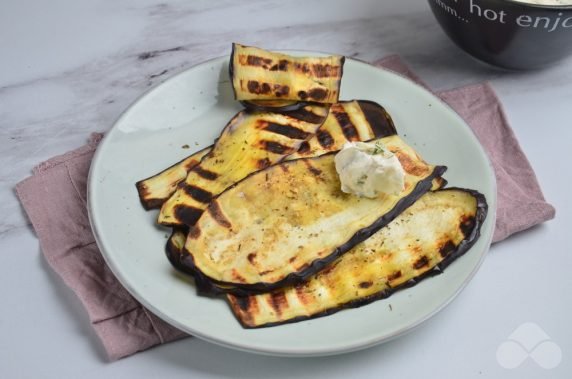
x,y
299,351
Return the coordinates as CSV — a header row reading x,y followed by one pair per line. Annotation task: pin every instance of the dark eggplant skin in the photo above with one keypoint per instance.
x,y
186,260
174,254
204,286
470,239
231,70
259,106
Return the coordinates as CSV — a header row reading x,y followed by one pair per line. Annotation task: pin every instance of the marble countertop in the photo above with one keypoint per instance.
x,y
69,68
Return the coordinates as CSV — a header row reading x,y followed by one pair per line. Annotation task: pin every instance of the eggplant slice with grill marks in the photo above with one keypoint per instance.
x,y
250,141
282,224
407,250
357,120
176,243
258,74
155,190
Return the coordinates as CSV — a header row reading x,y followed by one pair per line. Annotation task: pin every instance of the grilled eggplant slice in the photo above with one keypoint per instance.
x,y
422,241
251,141
155,190
257,74
282,224
176,243
359,120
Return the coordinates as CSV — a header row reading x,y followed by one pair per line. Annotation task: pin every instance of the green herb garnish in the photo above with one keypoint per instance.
x,y
378,149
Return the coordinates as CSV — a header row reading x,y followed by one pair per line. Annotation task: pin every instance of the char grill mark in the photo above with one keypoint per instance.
x,y
365,285
188,215
280,91
287,131
258,88
315,171
467,225
194,232
206,174
253,60
276,147
278,301
421,262
302,67
409,165
305,115
263,163
304,148
447,248
243,302
190,164
325,139
218,215
378,119
282,65
348,128
318,94
198,193
236,275
301,294
395,275
264,63
325,70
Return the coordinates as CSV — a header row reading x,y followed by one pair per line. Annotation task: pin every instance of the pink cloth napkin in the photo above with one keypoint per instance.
x,y
54,198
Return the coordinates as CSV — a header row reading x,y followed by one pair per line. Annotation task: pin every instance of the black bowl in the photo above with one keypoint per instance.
x,y
507,33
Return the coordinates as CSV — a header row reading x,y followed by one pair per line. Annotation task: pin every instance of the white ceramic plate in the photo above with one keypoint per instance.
x,y
191,109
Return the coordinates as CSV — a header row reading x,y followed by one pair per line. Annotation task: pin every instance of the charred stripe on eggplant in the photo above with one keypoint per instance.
x,y
206,174
346,124
286,130
218,215
377,117
325,139
198,193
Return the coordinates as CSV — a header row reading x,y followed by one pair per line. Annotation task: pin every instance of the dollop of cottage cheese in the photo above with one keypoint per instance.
x,y
369,169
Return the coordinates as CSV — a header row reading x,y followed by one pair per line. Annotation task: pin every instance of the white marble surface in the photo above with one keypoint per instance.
x,y
68,68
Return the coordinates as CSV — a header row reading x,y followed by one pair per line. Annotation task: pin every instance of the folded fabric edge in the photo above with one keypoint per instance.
x,y
131,332
89,147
